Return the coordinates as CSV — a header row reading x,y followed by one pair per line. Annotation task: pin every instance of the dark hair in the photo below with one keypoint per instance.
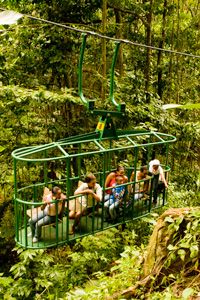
x,y
89,177
55,190
119,167
143,168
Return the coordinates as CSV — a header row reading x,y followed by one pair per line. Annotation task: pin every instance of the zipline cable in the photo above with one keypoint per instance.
x,y
99,35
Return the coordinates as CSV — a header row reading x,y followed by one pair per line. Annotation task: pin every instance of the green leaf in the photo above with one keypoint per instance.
x,y
169,220
2,148
182,254
194,250
171,247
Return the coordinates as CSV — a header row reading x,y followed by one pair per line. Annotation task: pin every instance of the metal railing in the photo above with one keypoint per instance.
x,y
94,217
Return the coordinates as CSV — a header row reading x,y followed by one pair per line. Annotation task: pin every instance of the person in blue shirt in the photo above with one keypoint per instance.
x,y
116,197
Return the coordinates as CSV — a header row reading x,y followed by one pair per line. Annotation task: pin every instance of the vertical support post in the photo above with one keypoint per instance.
x,y
79,161
110,155
165,192
135,176
45,169
68,191
103,196
56,220
25,225
15,201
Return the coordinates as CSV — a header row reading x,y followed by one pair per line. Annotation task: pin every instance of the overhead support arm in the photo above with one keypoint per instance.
x,y
120,107
88,103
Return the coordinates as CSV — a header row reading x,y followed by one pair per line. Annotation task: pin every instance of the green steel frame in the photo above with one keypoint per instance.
x,y
28,195
68,155
90,103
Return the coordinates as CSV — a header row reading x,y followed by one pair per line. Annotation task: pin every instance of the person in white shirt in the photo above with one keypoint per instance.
x,y
158,177
90,193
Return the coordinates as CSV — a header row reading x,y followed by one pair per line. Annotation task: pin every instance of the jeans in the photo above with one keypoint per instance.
x,y
157,187
38,221
112,204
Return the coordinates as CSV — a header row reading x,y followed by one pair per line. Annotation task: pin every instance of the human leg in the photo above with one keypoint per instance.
x,y
32,222
155,187
112,210
107,205
43,221
77,218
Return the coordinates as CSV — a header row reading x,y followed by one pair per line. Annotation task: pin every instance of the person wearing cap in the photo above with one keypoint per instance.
x,y
158,178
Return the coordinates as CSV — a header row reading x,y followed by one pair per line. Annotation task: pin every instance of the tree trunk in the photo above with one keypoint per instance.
x,y
148,55
161,45
163,257
170,76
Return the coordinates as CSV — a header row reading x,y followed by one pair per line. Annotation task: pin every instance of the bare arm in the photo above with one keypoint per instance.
x,y
125,179
163,179
132,177
109,178
80,192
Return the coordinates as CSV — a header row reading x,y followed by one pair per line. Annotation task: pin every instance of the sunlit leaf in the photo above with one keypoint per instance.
x,y
182,254
187,293
169,220
9,17
185,106
169,106
194,250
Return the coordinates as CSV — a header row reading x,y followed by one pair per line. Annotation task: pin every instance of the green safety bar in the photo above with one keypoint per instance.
x,y
120,107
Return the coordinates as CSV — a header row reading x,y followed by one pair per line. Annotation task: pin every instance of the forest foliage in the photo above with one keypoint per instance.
x,y
39,103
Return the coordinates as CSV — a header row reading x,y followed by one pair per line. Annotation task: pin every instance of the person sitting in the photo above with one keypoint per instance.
x,y
111,180
116,197
90,194
53,205
140,188
158,179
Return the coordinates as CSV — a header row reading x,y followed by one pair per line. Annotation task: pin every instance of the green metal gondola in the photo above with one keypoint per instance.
x,y
95,151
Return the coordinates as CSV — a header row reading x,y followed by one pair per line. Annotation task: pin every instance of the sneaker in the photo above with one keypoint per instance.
x,y
35,240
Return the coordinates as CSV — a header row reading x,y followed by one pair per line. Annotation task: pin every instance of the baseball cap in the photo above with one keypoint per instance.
x,y
155,162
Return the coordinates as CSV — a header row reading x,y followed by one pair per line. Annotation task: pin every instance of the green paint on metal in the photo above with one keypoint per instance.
x,y
120,107
106,128
80,70
103,145
105,131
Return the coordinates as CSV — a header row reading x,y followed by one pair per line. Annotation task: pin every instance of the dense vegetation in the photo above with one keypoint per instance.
x,y
39,104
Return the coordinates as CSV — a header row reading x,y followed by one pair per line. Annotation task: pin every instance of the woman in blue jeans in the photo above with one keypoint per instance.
x,y
53,204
